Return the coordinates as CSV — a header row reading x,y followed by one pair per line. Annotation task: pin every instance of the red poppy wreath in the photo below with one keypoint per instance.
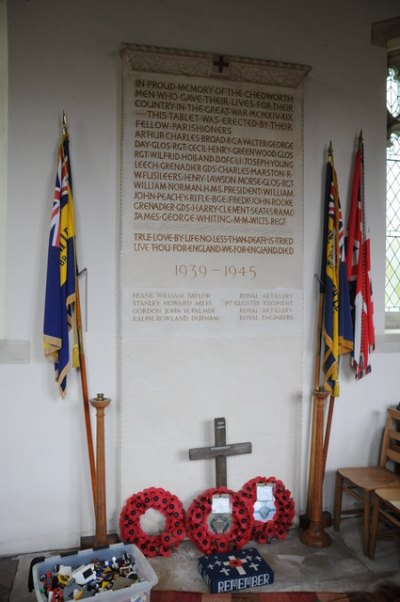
x,y
278,526
167,504
237,533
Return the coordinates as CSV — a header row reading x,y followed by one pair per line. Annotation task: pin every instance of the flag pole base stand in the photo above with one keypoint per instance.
x,y
315,537
90,541
326,520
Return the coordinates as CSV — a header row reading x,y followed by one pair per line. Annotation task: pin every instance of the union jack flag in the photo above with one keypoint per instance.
x,y
61,271
359,272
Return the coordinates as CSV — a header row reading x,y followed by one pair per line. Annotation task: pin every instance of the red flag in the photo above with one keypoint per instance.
x,y
359,272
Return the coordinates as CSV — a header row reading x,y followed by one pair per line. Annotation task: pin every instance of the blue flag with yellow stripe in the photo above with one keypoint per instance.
x,y
337,329
61,272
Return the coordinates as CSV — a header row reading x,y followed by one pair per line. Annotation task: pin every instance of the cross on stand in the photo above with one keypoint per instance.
x,y
220,63
220,451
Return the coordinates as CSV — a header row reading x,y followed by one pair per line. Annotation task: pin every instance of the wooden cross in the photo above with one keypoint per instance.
x,y
220,451
220,63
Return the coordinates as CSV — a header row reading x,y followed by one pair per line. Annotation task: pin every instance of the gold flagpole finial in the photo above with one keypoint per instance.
x,y
330,152
64,128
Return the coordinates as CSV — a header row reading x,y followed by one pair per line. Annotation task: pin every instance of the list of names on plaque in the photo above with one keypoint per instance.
x,y
224,311
214,202
212,154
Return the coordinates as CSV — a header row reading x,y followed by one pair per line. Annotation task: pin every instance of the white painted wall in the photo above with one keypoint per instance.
x,y
3,157
65,56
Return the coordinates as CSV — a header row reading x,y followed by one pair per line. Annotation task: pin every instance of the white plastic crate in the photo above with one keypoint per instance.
x,y
137,592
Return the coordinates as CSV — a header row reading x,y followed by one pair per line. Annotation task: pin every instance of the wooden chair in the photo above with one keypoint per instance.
x,y
387,511
361,482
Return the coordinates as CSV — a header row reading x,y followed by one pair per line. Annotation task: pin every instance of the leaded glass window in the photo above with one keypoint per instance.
x,y
392,284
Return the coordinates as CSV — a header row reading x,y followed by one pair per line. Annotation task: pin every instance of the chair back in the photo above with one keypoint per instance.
x,y
390,450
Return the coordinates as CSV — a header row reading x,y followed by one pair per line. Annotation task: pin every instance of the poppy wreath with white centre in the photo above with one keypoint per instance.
x,y
279,525
197,522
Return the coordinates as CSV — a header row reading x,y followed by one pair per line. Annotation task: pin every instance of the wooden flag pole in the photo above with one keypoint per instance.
x,y
332,397
315,425
328,427
82,365
311,476
317,370
85,396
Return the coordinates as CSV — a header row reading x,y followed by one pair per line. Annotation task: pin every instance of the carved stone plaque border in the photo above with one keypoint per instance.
x,y
183,337
153,59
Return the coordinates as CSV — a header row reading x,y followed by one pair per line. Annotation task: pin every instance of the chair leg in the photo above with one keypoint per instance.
x,y
374,529
367,518
337,508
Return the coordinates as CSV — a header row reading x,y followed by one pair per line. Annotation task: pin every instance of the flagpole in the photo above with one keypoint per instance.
x,y
311,476
334,328
317,370
332,397
82,370
328,427
85,396
364,233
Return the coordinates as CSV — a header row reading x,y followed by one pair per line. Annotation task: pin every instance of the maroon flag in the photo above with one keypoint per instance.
x,y
359,272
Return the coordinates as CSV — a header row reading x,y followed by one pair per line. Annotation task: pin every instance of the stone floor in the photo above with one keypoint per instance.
x,y
339,567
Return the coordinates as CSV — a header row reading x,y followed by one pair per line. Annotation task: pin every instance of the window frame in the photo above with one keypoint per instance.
x,y
386,34
392,318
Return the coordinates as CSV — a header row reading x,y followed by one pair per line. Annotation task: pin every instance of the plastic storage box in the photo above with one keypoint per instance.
x,y
138,592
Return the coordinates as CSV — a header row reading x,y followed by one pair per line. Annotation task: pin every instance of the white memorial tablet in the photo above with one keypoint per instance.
x,y
211,262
